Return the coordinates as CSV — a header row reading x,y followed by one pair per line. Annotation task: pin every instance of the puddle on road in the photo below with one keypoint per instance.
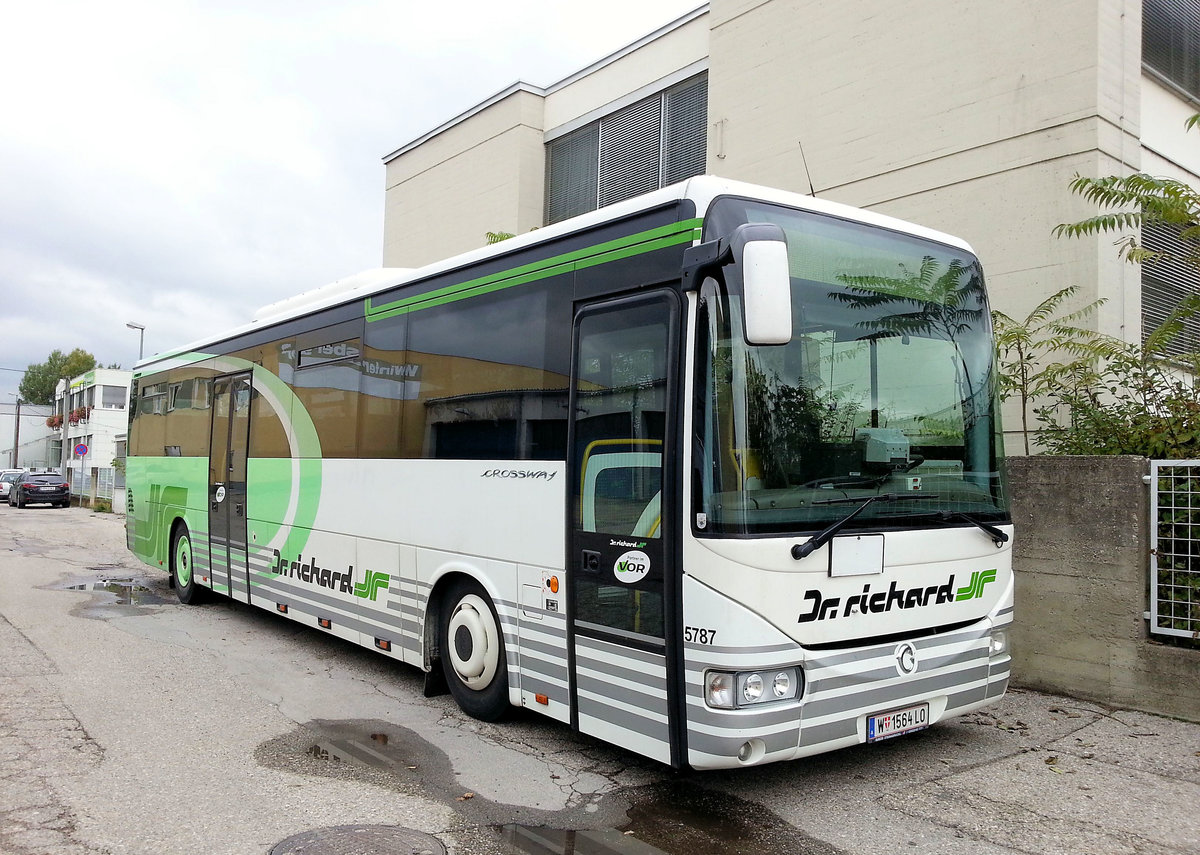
x,y
116,591
560,841
674,817
126,591
370,751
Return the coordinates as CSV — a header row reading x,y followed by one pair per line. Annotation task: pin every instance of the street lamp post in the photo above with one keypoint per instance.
x,y
141,336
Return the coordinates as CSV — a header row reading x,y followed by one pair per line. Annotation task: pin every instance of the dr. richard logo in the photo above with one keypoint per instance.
x,y
333,580
820,607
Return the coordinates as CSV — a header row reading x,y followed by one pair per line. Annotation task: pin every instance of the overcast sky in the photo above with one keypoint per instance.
x,y
179,163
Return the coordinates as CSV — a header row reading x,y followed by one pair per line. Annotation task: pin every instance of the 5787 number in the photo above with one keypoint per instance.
x,y
699,635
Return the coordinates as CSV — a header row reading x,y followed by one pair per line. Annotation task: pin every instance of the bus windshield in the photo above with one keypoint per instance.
x,y
885,389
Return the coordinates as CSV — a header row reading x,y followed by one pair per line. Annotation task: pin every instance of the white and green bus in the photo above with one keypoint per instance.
x,y
712,474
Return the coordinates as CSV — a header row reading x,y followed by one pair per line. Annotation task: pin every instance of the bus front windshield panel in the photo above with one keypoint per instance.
x,y
886,389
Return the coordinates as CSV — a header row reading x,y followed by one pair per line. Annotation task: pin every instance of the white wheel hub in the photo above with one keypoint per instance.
x,y
474,642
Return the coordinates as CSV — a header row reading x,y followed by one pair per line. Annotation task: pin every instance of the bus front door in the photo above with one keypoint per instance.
x,y
228,446
621,561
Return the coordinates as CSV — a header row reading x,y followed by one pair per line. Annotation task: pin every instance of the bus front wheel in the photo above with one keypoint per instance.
x,y
472,652
187,588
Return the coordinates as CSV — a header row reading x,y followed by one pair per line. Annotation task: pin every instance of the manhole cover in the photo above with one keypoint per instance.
x,y
360,840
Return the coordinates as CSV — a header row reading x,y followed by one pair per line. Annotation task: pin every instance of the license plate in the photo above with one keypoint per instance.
x,y
47,489
893,723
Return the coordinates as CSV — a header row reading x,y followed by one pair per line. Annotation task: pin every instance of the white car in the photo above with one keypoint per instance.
x,y
7,478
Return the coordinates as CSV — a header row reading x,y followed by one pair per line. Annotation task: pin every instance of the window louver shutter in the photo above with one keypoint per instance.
x,y
571,174
654,142
629,151
685,149
1166,282
1171,41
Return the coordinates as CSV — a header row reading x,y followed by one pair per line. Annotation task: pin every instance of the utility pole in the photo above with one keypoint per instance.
x,y
17,436
66,401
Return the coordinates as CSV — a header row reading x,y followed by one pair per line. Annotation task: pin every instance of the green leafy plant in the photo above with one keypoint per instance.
x,y
1140,199
1132,400
1035,352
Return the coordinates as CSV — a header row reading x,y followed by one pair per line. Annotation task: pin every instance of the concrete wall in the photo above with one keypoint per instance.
x,y
483,174
1082,559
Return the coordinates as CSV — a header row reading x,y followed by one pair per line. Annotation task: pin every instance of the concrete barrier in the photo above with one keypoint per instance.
x,y
1082,589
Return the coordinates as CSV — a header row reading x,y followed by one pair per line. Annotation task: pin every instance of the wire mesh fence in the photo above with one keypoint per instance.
x,y
1175,548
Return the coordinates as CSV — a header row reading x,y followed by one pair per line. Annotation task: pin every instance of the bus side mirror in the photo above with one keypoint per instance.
x,y
760,255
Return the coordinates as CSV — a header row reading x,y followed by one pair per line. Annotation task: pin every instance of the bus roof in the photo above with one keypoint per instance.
x,y
700,190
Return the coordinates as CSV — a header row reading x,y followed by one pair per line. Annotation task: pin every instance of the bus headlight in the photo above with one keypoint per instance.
x,y
718,690
999,643
752,689
732,690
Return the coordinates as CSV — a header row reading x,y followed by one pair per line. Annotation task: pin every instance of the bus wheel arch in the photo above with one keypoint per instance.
x,y
182,569
471,648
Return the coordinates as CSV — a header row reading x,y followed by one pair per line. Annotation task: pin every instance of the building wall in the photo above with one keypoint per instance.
x,y
970,117
33,440
1168,149
35,453
482,174
650,66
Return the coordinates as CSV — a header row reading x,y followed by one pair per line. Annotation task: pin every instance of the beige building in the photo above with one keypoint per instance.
x,y
970,117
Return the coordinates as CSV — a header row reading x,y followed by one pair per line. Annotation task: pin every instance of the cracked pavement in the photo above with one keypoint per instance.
x,y
152,727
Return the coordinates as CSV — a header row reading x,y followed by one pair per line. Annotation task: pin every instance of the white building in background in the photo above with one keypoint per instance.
x,y
971,117
92,411
37,444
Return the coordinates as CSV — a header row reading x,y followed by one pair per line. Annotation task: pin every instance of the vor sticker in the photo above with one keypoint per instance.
x,y
632,566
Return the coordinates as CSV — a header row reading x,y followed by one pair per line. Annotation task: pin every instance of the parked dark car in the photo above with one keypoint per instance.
x,y
35,488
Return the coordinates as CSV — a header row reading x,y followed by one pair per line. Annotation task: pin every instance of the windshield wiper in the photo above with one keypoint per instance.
x,y
998,537
803,550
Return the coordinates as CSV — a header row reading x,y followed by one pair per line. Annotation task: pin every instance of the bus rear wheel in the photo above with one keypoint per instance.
x,y
472,652
183,576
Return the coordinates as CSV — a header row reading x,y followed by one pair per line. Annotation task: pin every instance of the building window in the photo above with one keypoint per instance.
x,y
113,397
1166,282
119,476
572,171
646,145
1171,42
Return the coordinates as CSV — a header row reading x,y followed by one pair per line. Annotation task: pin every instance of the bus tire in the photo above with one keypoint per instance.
x,y
472,652
183,577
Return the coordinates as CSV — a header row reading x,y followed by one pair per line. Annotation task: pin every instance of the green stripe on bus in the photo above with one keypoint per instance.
x,y
671,234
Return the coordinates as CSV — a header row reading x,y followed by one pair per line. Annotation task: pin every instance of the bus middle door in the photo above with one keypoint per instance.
x,y
229,444
621,542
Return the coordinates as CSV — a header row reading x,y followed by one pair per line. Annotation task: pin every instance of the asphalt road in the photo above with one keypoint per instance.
x,y
132,724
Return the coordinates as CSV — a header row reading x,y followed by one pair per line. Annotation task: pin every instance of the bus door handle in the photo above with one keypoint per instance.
x,y
238,509
590,561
